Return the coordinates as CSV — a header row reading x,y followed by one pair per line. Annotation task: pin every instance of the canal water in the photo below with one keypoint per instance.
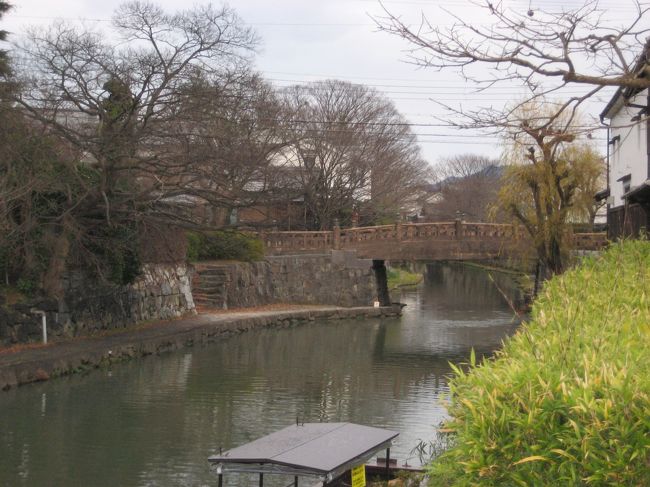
x,y
154,422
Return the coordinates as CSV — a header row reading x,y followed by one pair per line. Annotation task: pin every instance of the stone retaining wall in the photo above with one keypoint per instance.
x,y
337,278
162,291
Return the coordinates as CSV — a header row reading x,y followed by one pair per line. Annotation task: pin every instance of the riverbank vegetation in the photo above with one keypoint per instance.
x,y
398,277
566,401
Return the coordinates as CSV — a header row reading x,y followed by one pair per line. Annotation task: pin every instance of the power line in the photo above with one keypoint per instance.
x,y
370,78
456,90
467,94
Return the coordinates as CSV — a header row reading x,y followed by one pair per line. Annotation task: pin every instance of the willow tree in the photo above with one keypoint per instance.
x,y
548,179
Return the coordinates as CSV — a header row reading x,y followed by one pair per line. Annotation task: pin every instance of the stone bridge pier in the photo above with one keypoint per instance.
x,y
381,280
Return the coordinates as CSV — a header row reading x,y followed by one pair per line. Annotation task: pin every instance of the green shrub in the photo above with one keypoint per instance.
x,y
567,400
224,245
194,243
26,286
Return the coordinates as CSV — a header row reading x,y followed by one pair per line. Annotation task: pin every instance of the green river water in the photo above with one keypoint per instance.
x,y
155,421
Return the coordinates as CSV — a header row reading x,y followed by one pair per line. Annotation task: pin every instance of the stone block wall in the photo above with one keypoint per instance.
x,y
336,278
165,291
162,291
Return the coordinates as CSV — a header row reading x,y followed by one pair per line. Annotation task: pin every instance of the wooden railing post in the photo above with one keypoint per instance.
x,y
398,231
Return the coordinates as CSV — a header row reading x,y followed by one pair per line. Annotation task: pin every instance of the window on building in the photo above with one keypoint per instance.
x,y
626,182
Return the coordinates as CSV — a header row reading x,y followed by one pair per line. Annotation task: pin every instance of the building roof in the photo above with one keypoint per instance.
x,y
640,193
602,194
325,450
622,93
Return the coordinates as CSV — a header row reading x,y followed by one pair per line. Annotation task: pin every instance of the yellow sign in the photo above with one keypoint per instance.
x,y
359,476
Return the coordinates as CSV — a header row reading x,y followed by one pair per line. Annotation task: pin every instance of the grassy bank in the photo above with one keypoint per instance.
x,y
567,401
401,278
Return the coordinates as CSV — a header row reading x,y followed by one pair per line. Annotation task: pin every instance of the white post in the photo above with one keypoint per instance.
x,y
43,322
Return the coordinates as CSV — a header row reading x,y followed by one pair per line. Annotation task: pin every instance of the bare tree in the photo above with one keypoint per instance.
x,y
543,49
355,152
38,183
462,166
465,184
227,136
4,65
112,103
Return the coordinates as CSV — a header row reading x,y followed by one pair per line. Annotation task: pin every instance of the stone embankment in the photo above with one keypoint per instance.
x,y
161,292
67,357
164,291
336,278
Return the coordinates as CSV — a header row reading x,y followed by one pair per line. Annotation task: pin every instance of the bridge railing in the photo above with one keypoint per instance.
x,y
484,231
299,241
423,231
348,238
362,234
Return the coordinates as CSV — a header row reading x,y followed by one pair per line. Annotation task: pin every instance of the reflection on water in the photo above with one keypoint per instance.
x,y
155,421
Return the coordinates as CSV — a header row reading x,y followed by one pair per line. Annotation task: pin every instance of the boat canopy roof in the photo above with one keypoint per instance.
x,y
325,450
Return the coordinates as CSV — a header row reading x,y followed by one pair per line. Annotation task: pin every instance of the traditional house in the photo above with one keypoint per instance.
x,y
628,157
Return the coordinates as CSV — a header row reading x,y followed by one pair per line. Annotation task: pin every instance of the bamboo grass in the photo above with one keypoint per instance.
x,y
567,400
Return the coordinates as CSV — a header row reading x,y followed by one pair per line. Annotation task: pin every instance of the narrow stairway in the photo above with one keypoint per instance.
x,y
209,286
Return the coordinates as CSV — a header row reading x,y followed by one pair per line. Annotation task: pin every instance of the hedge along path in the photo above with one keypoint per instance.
x,y
567,400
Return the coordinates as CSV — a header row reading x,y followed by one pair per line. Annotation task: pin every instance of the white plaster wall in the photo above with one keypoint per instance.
x,y
628,155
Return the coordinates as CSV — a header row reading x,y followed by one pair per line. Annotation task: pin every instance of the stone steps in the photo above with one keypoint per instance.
x,y
209,286
219,271
209,289
212,292
210,280
206,303
211,269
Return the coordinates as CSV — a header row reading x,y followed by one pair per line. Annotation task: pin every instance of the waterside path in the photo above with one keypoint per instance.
x,y
33,364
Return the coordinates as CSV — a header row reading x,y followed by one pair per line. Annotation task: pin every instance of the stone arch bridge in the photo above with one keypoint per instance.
x,y
456,240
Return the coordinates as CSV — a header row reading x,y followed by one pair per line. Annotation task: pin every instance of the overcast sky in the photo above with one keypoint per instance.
x,y
307,40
